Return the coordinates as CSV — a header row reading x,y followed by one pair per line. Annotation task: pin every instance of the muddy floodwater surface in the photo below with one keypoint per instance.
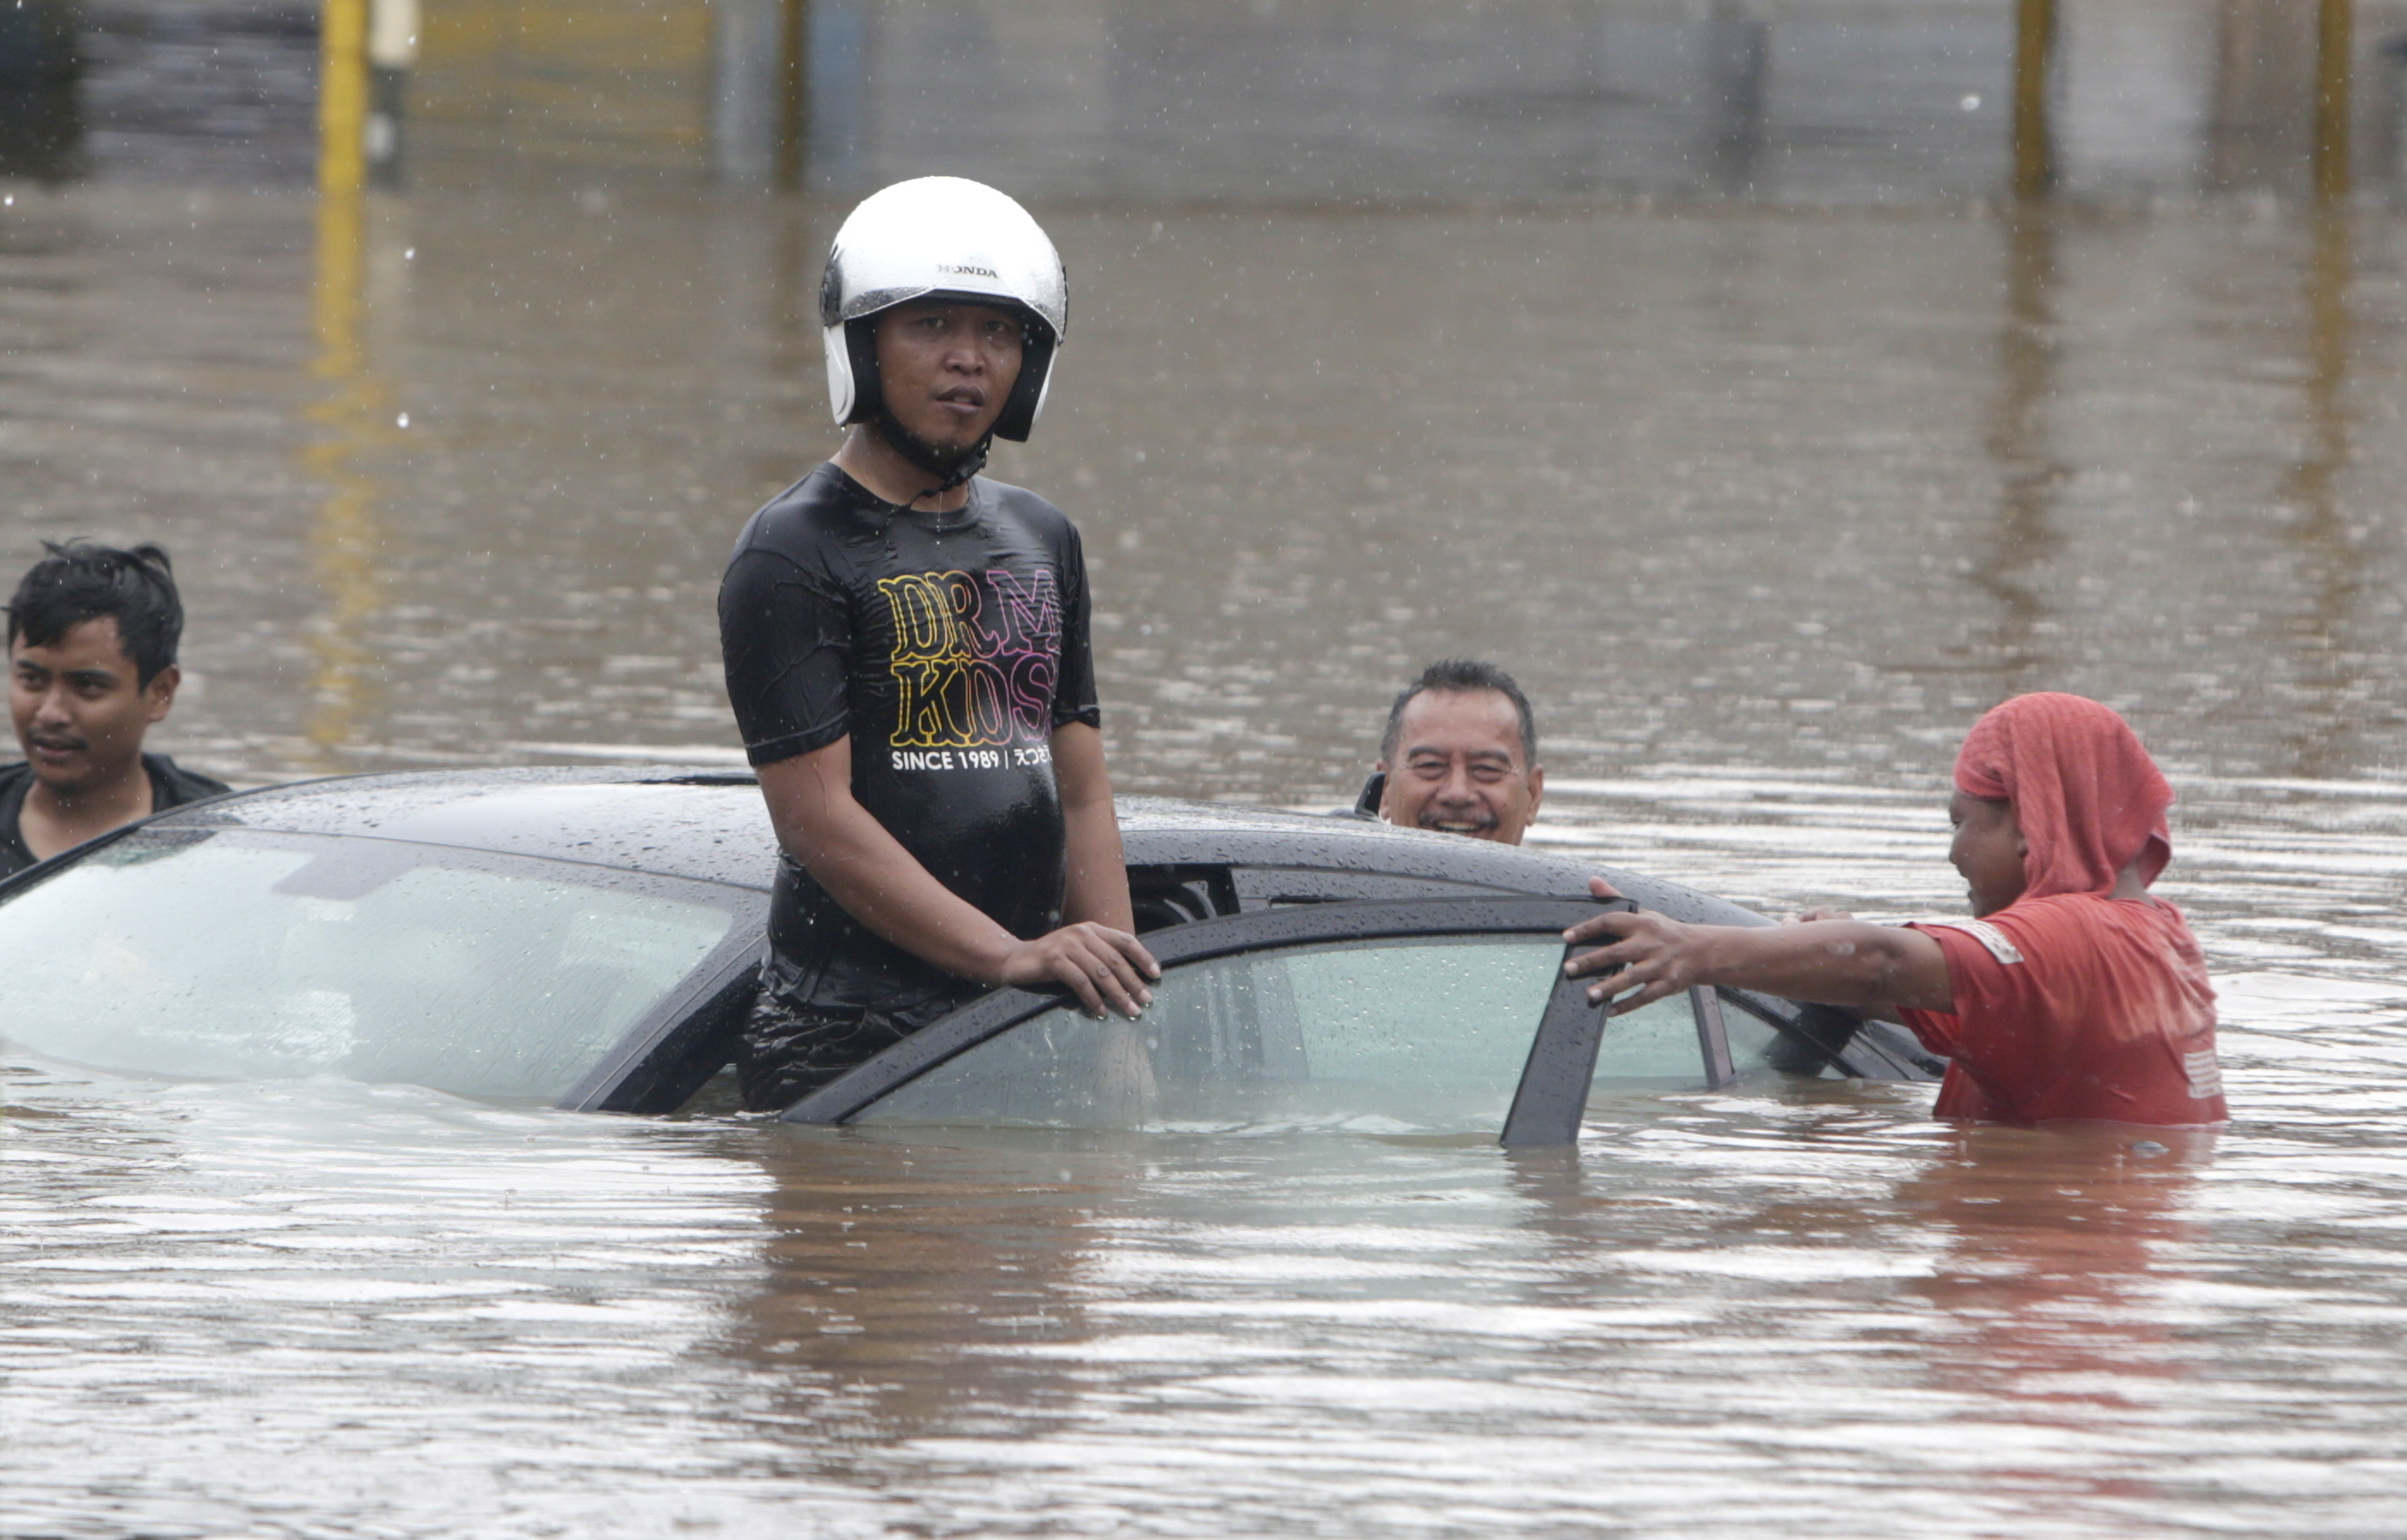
x,y
1763,506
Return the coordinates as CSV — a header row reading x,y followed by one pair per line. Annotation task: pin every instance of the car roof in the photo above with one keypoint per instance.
x,y
704,825
709,825
1160,832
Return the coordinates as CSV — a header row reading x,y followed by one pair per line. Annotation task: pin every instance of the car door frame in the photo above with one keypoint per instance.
x,y
1548,1098
682,1041
1209,883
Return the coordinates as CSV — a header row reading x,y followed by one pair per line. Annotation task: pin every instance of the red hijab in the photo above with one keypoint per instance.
x,y
2088,798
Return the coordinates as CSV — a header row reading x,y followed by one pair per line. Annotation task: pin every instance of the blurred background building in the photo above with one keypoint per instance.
x,y
1291,102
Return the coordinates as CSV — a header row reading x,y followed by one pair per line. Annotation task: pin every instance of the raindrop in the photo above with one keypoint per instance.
x,y
401,421
1971,102
410,253
2147,1148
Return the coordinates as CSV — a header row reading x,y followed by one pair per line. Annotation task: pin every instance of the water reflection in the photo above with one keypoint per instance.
x,y
41,116
2331,542
1821,488
2262,124
354,1311
355,415
2054,1244
916,1288
1738,64
176,93
2011,564
2057,1247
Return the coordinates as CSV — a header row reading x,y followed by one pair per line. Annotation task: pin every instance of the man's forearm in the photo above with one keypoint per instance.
x,y
1834,962
882,886
879,883
1097,887
864,869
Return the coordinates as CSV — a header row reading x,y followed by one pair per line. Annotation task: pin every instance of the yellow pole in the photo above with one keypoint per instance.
x,y
2334,38
342,175
2034,171
343,544
343,97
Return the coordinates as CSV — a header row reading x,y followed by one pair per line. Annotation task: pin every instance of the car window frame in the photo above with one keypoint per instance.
x,y
673,1049
1820,1035
1548,1098
1263,887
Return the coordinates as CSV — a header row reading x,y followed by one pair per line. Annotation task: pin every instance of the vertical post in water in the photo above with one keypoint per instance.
x,y
794,98
349,412
2335,37
391,51
342,97
2034,173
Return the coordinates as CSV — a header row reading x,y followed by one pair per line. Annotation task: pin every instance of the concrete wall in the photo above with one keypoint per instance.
x,y
1331,101
1288,102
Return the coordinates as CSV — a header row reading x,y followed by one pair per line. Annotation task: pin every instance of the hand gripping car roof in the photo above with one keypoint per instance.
x,y
940,237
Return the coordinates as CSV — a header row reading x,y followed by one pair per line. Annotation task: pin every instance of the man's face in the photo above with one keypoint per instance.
x,y
78,713
947,368
1987,851
1459,768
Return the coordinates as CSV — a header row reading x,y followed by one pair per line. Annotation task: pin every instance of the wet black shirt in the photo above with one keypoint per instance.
x,y
949,646
171,787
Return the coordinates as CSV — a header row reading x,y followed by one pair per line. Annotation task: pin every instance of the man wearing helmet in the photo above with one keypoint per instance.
x,y
906,652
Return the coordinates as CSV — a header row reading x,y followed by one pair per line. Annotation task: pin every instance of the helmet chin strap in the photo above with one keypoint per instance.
x,y
955,466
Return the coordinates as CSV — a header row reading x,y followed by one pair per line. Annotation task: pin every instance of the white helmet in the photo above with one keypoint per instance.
x,y
940,237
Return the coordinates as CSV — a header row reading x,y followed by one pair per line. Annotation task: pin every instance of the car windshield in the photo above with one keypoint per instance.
x,y
241,955
1422,1036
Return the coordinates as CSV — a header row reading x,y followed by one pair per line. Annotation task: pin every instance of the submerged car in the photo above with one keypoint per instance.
x,y
591,939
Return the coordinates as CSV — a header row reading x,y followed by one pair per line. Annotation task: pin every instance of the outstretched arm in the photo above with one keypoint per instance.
x,y
879,883
1832,962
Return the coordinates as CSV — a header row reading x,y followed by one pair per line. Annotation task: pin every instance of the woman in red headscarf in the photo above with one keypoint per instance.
x,y
2071,993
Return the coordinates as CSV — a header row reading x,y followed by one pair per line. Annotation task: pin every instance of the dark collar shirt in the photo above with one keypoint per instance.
x,y
171,787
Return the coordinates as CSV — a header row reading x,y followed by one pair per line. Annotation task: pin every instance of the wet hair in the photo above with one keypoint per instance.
x,y
1464,676
80,581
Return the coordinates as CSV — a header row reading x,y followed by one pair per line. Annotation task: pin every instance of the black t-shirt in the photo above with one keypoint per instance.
x,y
949,646
171,787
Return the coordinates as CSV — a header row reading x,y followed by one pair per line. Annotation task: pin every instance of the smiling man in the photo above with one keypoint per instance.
x,y
1459,756
92,667
906,651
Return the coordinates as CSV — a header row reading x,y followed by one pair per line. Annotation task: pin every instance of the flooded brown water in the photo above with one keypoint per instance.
x,y
1763,506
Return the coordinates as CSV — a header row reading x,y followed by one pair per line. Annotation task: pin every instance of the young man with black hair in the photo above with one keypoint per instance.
x,y
1459,756
908,656
91,666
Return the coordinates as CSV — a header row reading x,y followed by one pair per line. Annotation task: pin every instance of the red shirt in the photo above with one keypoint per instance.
x,y
2075,1006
